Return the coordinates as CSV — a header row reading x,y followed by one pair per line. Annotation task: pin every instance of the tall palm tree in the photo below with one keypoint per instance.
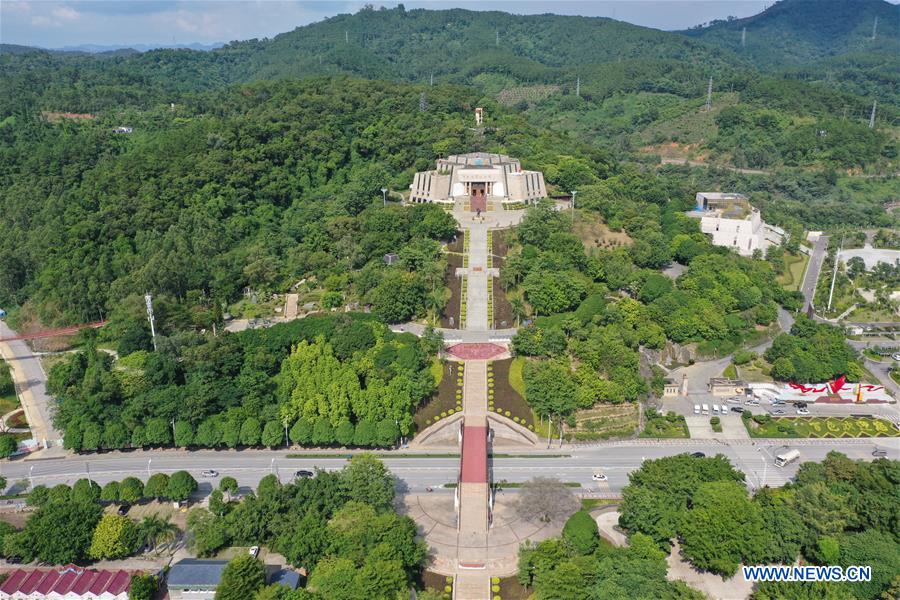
x,y
154,530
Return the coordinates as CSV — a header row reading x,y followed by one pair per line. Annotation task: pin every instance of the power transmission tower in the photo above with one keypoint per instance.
x,y
346,37
872,116
423,102
497,38
578,87
743,37
875,27
432,79
709,96
148,299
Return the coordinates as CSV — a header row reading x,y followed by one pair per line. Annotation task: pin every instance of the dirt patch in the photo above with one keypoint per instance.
x,y
18,420
451,312
504,399
434,581
596,234
499,246
712,585
448,397
511,589
503,312
16,519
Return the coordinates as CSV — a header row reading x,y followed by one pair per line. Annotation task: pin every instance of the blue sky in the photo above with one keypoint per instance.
x,y
58,23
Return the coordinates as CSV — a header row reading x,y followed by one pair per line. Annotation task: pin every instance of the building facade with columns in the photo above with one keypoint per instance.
x,y
478,177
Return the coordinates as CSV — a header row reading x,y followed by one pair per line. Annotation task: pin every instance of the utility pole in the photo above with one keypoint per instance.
x,y
875,27
709,96
872,116
148,299
743,37
834,275
574,193
578,87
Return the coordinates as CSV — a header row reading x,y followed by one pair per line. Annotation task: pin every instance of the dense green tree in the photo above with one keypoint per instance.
x,y
157,486
143,587
580,533
273,434
131,490
85,490
60,532
114,537
180,486
241,578
367,479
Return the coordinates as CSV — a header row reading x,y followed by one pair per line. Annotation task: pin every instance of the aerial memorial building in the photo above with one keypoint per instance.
x,y
478,177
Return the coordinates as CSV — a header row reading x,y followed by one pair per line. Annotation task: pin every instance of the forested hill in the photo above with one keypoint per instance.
x,y
798,32
252,186
829,41
453,45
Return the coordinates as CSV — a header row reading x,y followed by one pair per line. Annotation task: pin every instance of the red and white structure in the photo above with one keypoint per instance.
x,y
70,582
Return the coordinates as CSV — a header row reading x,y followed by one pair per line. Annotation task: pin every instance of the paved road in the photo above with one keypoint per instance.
x,y
415,474
812,271
31,386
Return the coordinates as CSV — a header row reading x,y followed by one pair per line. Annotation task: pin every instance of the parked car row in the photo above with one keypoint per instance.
x,y
716,409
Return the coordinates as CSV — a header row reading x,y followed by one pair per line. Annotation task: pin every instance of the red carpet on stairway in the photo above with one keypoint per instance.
x,y
474,455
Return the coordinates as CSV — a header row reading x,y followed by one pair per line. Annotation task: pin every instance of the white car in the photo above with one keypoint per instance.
x,y
802,411
253,551
599,477
209,473
696,409
715,409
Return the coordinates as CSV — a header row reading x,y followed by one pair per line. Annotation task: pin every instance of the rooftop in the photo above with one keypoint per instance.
x,y
63,580
196,573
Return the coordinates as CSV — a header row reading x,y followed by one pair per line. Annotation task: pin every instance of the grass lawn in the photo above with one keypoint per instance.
x,y
792,278
447,400
8,399
821,427
670,425
868,314
505,397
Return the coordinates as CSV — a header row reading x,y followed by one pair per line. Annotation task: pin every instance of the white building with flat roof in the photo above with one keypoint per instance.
x,y
477,177
733,222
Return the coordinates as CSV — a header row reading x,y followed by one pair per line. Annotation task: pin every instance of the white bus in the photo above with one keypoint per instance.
x,y
786,457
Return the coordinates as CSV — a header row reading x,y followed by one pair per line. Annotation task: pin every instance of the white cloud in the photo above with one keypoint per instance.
x,y
66,13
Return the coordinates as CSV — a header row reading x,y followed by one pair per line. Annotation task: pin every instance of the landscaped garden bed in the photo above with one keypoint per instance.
x,y
765,426
603,421
503,398
504,317
453,283
447,400
670,425
439,583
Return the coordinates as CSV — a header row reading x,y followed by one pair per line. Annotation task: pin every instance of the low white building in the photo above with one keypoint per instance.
x,y
734,223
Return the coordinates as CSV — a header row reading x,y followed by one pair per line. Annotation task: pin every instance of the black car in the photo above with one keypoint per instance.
x,y
877,452
737,409
698,455
800,404
123,509
303,474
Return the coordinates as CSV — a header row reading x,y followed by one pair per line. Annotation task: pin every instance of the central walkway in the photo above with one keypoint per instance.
x,y
477,298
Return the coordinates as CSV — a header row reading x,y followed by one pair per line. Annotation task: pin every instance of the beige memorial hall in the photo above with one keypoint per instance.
x,y
477,178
